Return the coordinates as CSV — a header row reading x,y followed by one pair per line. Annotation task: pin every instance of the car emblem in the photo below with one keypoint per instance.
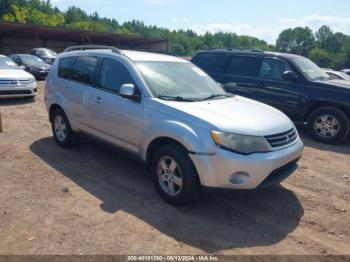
x,y
288,139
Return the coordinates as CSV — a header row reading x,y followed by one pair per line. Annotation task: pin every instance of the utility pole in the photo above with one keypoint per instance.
x,y
0,123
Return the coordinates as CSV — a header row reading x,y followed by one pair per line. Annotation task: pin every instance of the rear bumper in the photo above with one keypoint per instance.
x,y
229,170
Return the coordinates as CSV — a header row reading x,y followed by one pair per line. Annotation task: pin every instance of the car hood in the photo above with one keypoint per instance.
x,y
234,115
336,83
39,65
6,74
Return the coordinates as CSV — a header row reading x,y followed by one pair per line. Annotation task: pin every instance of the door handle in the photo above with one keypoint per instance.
x,y
98,100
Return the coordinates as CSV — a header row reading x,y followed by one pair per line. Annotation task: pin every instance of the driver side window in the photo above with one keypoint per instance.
x,y
273,69
113,75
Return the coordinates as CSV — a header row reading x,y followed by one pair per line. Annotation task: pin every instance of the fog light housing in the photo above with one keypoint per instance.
x,y
239,178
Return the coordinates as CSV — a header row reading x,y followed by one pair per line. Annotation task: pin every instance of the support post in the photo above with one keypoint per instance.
x,y
0,123
37,37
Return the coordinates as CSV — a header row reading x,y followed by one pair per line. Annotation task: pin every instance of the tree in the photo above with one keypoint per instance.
x,y
321,57
297,41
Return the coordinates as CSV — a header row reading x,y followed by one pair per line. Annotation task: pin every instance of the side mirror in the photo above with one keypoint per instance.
x,y
129,91
229,87
290,75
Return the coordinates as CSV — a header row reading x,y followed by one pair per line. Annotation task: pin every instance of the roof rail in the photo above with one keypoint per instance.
x,y
235,49
92,47
255,50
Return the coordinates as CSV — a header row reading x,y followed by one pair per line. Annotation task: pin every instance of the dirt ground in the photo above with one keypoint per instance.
x,y
94,200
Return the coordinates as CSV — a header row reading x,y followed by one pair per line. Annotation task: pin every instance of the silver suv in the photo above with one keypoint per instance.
x,y
173,116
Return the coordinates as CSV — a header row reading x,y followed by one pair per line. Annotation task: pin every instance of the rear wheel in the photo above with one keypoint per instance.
x,y
62,131
328,125
174,175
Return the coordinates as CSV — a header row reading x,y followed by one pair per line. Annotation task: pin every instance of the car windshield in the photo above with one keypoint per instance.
x,y
7,63
30,59
310,70
47,53
179,81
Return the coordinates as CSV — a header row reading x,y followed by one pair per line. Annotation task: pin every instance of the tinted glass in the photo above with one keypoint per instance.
x,y
208,62
114,75
65,67
84,69
242,66
15,58
273,69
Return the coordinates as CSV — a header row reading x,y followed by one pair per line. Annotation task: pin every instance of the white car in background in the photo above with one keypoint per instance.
x,y
337,75
15,82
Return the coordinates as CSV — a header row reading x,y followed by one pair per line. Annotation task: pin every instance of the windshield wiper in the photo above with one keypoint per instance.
x,y
215,96
177,98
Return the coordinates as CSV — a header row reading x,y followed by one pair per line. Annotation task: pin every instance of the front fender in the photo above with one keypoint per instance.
x,y
196,140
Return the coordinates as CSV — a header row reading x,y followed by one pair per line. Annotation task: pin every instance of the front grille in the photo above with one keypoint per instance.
x,y
14,82
282,139
15,92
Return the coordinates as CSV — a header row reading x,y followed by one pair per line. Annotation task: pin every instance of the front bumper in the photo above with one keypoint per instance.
x,y
40,73
230,170
13,92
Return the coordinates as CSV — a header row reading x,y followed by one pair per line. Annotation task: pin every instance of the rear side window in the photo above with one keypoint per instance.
x,y
242,66
273,69
209,62
113,75
84,69
65,67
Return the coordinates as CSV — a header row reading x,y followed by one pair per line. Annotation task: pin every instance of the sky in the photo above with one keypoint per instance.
x,y
264,19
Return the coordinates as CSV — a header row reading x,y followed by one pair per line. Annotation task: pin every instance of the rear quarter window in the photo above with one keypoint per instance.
x,y
209,62
65,67
84,69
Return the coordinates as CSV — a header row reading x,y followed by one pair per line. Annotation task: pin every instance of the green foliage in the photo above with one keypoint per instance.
x,y
325,48
298,41
321,57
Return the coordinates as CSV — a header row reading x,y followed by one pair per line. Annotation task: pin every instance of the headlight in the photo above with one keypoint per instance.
x,y
32,80
242,144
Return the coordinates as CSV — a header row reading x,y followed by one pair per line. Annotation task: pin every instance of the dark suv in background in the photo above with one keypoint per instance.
x,y
291,83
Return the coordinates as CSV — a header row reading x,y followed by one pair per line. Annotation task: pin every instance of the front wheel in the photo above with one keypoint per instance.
x,y
328,125
174,175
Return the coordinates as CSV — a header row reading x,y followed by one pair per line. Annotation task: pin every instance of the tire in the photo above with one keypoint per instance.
x,y
328,125
63,133
189,189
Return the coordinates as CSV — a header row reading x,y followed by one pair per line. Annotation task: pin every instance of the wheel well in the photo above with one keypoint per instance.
x,y
157,143
320,104
53,108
